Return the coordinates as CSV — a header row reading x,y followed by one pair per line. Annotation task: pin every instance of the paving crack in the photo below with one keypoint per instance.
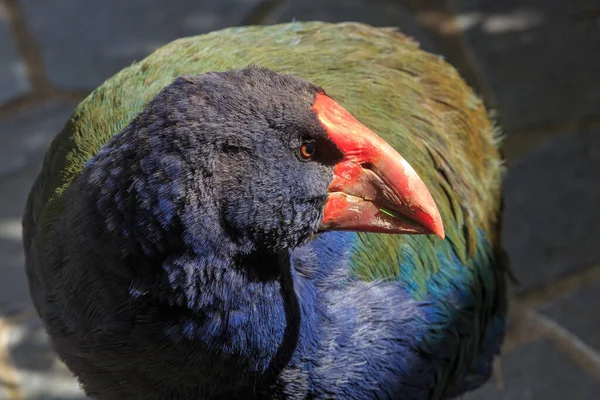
x,y
27,48
31,99
521,328
570,345
561,287
526,325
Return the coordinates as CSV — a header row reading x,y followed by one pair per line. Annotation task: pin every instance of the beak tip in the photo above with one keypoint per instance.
x,y
437,227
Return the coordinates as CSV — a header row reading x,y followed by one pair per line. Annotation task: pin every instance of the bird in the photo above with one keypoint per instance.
x,y
305,210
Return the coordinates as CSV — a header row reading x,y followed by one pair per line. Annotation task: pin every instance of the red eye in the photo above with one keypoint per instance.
x,y
307,150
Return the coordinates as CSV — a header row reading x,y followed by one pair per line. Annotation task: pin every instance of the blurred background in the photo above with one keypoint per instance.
x,y
535,62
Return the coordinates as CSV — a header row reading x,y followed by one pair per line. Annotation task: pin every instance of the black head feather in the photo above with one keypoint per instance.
x,y
221,152
180,223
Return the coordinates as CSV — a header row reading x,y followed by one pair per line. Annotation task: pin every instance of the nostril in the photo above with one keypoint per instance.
x,y
367,166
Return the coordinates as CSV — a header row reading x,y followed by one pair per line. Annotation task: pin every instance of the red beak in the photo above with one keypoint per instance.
x,y
374,189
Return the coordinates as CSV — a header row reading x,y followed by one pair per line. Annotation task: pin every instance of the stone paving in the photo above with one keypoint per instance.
x,y
535,62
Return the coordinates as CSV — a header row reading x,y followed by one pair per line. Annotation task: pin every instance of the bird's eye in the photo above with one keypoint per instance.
x,y
307,150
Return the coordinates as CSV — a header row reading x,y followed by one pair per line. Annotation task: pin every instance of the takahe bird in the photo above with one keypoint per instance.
x,y
211,223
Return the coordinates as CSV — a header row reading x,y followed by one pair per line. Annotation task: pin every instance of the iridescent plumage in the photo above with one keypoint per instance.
x,y
418,104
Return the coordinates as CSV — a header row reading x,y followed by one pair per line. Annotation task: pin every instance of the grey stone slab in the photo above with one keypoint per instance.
x,y
14,293
551,216
36,371
377,13
24,139
539,57
537,371
26,133
85,42
579,314
13,79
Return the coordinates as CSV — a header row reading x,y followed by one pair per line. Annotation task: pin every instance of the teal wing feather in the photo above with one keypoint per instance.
x,y
454,148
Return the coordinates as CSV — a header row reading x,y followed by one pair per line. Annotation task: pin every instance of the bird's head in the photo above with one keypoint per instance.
x,y
279,160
